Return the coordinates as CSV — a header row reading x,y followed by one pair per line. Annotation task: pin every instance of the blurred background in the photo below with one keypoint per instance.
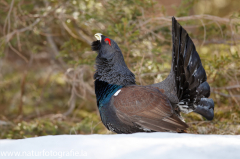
x,y
47,66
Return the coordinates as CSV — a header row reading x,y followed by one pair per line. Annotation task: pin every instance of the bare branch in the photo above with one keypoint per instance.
x,y
228,87
69,31
193,17
204,32
8,19
10,35
226,95
17,52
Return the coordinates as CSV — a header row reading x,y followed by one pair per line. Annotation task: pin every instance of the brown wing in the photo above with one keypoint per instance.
x,y
147,107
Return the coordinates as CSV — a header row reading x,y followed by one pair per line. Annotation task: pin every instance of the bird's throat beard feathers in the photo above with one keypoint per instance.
x,y
113,70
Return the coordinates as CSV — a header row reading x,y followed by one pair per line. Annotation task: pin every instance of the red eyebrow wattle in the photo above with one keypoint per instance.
x,y
109,41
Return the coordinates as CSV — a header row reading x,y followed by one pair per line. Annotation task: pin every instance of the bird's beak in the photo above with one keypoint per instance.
x,y
98,36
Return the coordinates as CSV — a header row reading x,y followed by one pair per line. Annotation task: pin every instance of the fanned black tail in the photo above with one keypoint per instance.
x,y
190,77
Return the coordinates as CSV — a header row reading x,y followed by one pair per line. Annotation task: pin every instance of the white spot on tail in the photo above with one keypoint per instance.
x,y
184,108
146,130
117,92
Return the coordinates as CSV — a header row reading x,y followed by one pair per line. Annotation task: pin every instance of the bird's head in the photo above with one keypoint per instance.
x,y
110,63
105,47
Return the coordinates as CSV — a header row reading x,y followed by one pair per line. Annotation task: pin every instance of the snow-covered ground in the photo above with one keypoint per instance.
x,y
139,145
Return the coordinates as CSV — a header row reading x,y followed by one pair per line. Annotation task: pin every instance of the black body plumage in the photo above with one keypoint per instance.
x,y
128,108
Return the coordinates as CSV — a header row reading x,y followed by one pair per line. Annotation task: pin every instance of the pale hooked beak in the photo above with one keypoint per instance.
x,y
98,36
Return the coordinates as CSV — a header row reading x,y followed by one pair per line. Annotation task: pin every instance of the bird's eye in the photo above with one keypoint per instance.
x,y
108,41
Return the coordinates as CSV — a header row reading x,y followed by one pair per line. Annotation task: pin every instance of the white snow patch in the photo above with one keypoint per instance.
x,y
117,92
139,145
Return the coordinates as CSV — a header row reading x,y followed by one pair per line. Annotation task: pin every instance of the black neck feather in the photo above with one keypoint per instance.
x,y
114,71
96,45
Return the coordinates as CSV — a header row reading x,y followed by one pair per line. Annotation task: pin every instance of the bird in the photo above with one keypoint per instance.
x,y
126,107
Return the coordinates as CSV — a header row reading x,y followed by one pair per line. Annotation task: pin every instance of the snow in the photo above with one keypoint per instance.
x,y
139,145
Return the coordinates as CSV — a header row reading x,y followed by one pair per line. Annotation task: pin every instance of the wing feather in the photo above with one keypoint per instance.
x,y
147,107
